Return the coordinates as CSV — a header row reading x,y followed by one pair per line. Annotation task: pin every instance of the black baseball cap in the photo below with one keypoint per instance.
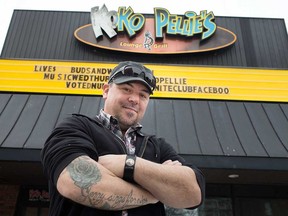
x,y
129,71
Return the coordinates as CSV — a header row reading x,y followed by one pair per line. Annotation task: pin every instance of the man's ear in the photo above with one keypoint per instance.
x,y
105,90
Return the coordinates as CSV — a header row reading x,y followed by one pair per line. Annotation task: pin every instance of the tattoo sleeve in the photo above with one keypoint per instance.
x,y
86,174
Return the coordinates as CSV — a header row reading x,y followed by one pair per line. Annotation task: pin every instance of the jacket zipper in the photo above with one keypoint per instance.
x,y
123,146
145,145
121,142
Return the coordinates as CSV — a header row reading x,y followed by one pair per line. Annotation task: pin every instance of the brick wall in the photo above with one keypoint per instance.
x,y
8,199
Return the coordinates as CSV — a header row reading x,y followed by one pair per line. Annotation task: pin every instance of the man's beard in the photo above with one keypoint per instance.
x,y
127,121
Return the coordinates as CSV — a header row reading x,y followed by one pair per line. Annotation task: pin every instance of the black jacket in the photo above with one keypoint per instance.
x,y
80,135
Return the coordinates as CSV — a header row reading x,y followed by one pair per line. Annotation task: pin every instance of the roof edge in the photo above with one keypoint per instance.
x,y
19,154
235,162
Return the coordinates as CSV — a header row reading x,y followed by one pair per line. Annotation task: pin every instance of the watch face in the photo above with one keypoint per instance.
x,y
130,162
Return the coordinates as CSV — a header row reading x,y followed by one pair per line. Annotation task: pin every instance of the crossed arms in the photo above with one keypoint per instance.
x,y
100,184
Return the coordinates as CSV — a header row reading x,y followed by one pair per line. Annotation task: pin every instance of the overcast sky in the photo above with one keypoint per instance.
x,y
230,8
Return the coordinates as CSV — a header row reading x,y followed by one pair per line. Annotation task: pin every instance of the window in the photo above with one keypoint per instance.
x,y
33,201
261,207
211,207
216,206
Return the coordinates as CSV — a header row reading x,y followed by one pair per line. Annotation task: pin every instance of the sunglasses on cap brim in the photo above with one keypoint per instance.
x,y
131,71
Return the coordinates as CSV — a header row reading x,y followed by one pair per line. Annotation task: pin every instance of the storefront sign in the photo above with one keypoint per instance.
x,y
87,78
36,195
165,33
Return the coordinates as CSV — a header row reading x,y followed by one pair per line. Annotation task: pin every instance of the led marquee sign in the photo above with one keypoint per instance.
x,y
88,78
164,33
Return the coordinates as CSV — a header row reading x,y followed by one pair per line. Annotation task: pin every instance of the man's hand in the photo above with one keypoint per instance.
x,y
172,163
114,163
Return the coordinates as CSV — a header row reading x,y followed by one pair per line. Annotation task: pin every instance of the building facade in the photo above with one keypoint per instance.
x,y
241,146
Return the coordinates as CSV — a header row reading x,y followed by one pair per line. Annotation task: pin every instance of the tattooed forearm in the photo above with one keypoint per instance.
x,y
126,201
116,202
123,202
86,174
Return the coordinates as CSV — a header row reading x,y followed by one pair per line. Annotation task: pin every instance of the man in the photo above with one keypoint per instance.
x,y
105,165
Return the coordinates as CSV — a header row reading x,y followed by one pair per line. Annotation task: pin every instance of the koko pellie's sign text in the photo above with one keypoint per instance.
x,y
160,33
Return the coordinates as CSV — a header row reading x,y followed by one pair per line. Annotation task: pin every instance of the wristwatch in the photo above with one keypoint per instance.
x,y
129,168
